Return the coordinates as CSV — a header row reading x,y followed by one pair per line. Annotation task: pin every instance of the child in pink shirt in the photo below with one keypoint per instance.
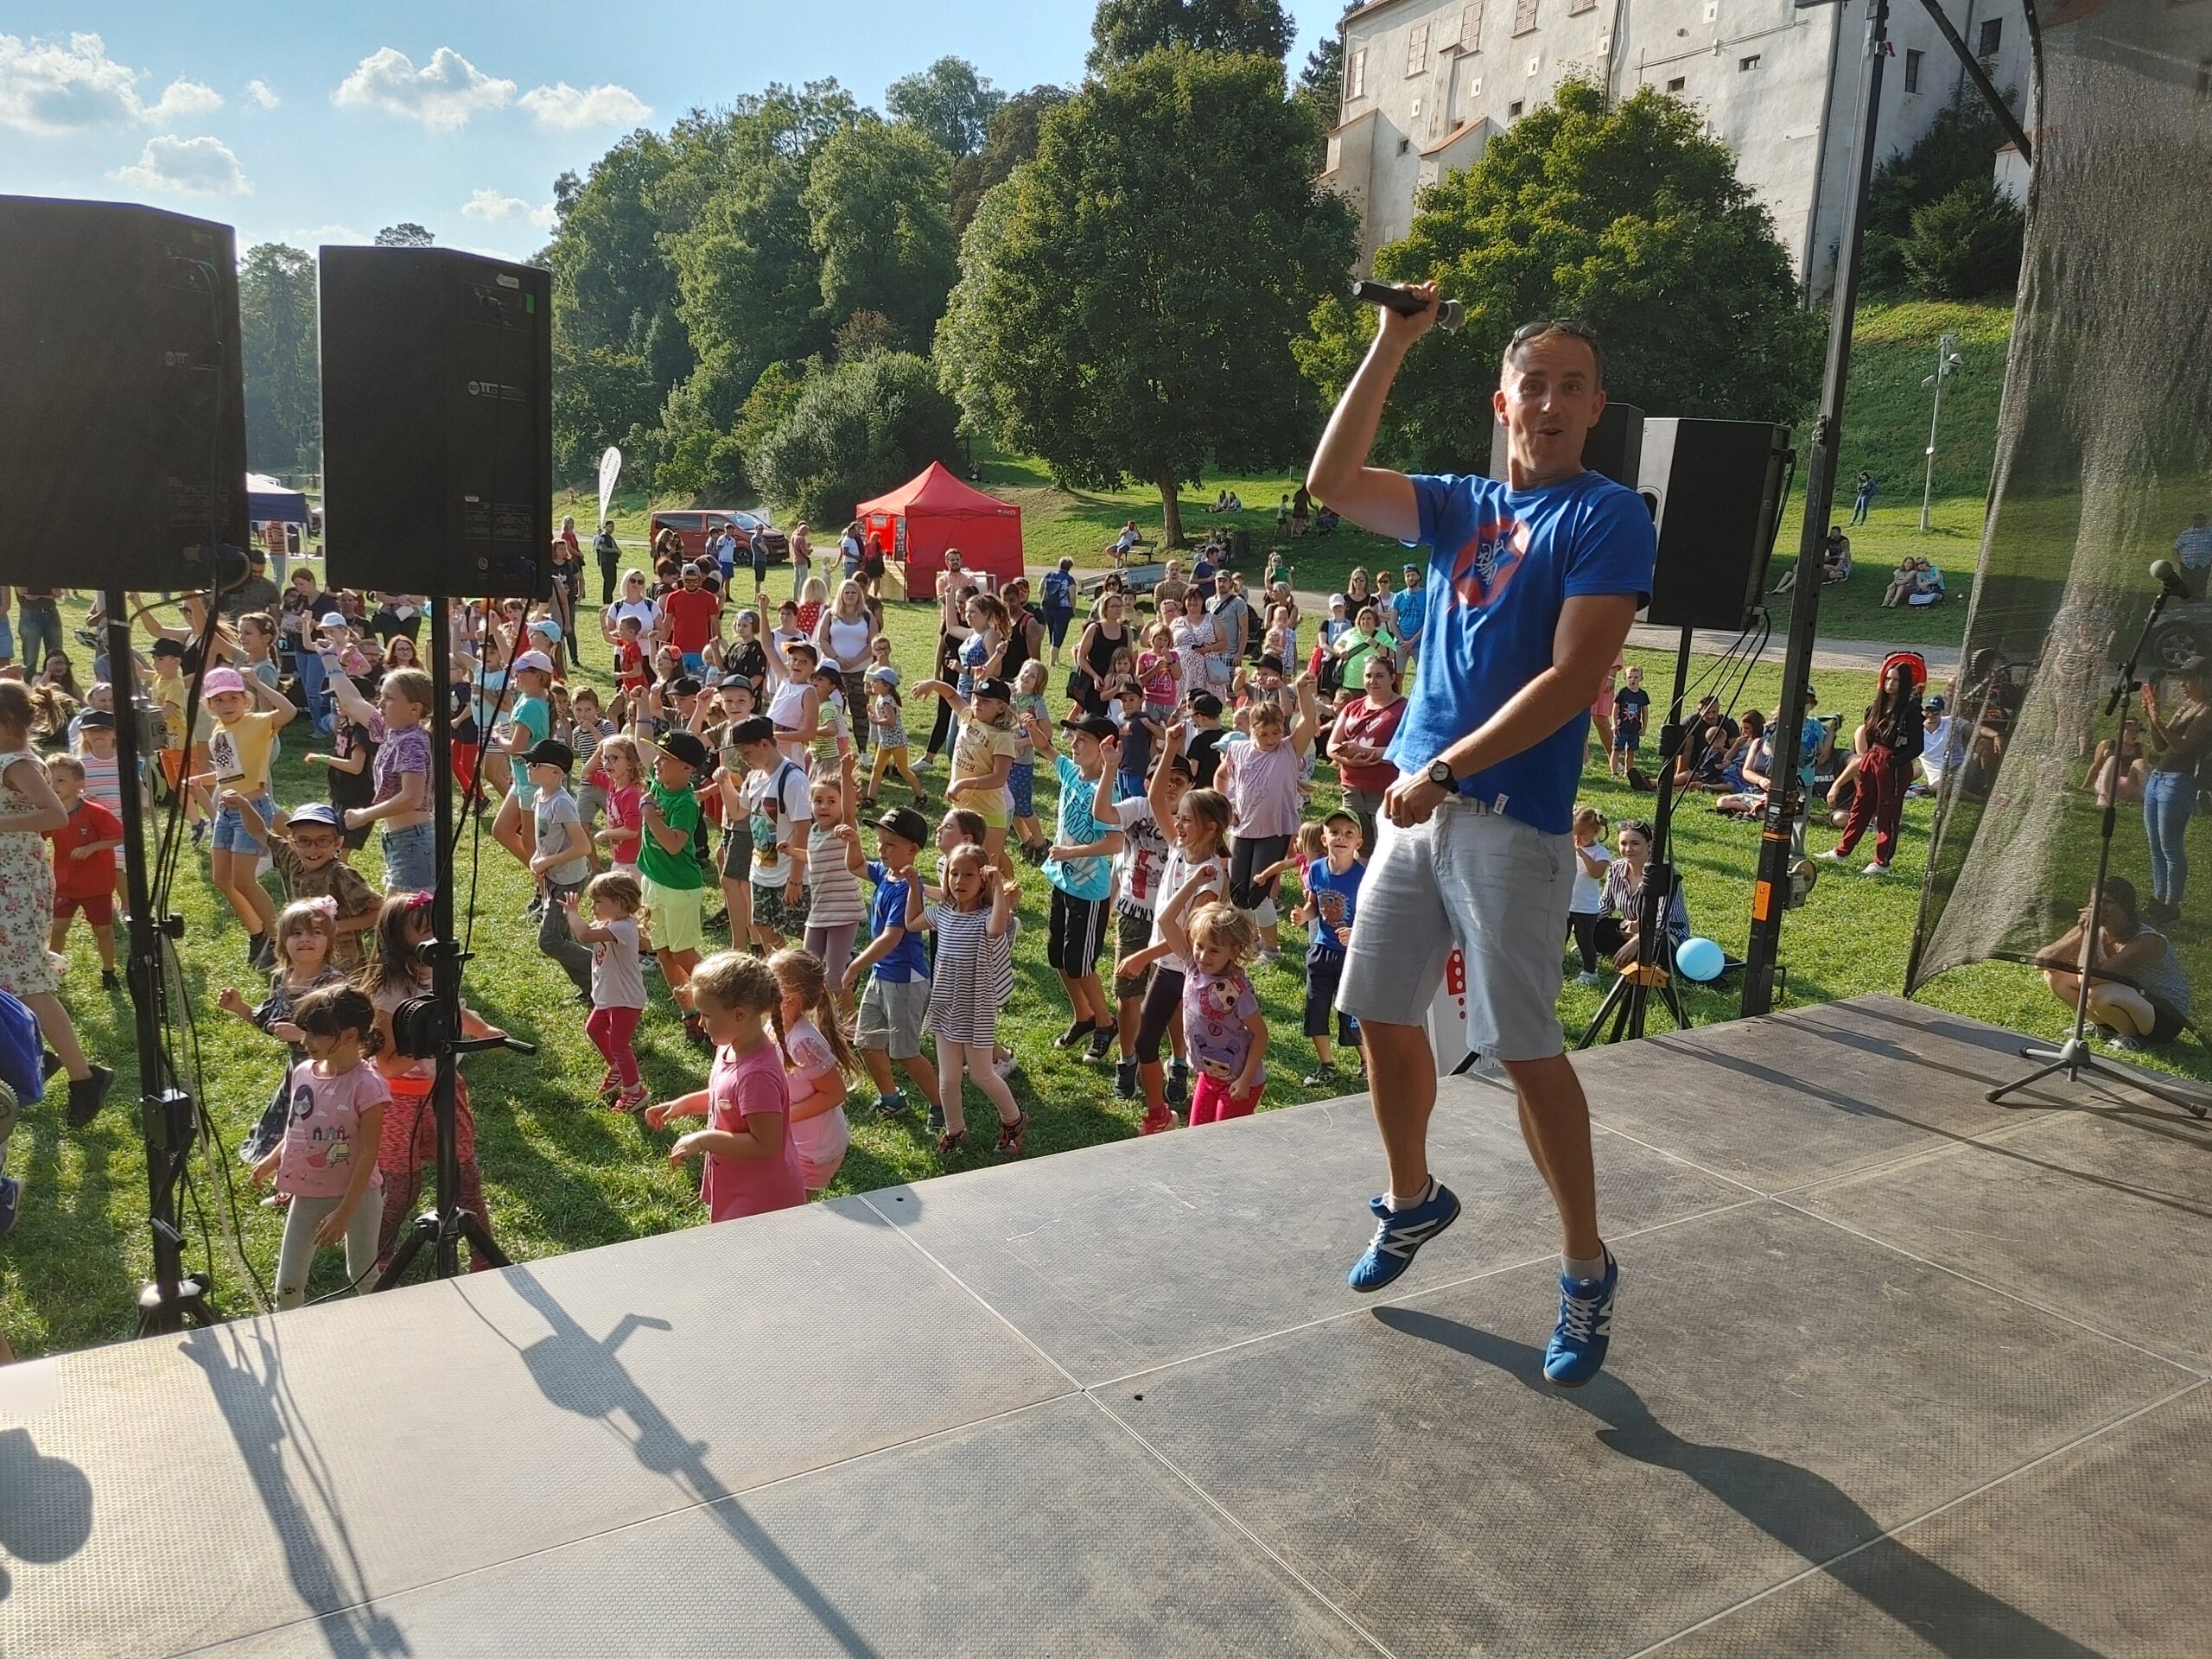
x,y
751,1156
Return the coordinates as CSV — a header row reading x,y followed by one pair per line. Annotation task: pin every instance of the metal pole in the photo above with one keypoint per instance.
x,y
1785,800
1942,371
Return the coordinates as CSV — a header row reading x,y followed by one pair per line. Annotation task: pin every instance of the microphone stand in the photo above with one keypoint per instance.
x,y
2076,1057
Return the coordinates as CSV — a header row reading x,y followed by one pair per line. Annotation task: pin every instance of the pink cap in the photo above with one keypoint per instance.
x,y
536,659
220,680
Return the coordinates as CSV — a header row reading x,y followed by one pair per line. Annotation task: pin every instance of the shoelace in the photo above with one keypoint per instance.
x,y
1578,1314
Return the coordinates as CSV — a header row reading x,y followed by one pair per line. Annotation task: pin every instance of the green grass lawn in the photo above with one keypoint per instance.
x,y
563,1175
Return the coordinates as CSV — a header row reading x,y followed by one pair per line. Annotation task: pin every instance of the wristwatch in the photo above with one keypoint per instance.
x,y
1441,774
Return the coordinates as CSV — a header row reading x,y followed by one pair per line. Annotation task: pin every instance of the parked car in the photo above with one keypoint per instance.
x,y
693,526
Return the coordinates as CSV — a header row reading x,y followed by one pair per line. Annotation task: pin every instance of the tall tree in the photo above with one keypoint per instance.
x,y
1321,82
278,340
1012,140
405,234
1121,31
877,195
855,431
611,284
1129,297
1625,216
948,103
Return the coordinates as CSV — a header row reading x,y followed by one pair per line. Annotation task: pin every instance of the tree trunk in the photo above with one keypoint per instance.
x,y
1171,515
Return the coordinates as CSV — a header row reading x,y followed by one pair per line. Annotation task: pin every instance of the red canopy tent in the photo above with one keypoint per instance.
x,y
925,515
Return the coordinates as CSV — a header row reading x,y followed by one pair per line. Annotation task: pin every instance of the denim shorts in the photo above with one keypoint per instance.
x,y
230,833
411,859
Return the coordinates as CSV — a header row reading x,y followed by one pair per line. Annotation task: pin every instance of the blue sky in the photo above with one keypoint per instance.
x,y
320,120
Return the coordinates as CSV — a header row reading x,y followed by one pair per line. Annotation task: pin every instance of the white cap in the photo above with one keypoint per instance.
x,y
331,619
536,659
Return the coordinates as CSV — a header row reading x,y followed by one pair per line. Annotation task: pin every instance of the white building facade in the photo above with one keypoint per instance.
x,y
1428,83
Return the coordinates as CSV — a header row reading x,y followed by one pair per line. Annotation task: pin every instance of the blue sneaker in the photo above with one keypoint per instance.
x,y
1398,1234
1585,1329
11,1195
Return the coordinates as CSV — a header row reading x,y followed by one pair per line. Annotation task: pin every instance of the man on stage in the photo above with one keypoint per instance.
x,y
1532,585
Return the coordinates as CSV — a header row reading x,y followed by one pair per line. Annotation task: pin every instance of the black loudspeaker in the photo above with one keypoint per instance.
x,y
123,424
1715,491
437,422
1612,448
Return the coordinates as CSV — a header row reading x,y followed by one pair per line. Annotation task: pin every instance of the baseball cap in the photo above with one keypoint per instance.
x,y
221,680
331,619
1935,704
1096,726
684,746
551,752
97,720
695,569
317,812
167,648
1272,663
905,823
1205,703
546,628
533,660
883,674
995,689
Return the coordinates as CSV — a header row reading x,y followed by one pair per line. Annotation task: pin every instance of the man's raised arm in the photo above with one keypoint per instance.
x,y
1374,498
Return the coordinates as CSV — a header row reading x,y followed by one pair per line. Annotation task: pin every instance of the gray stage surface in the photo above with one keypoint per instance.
x,y
1896,1372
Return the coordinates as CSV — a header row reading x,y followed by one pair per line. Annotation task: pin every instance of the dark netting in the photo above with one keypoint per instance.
x,y
2104,458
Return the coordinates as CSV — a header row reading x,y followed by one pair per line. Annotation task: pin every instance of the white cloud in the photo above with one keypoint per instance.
x,y
52,86
443,94
494,208
562,105
199,167
260,93
339,235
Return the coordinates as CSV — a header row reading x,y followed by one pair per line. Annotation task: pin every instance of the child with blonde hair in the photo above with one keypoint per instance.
x,y
821,1062
887,727
1221,1022
749,1158
974,926
618,980
307,939
1021,782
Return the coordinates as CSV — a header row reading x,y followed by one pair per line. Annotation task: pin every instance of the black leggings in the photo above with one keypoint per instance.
x,y
942,729
1160,1001
1247,855
1582,926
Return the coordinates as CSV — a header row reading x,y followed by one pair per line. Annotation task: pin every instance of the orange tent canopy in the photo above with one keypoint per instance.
x,y
933,511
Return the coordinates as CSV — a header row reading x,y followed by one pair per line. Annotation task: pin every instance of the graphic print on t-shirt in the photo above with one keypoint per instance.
x,y
1482,568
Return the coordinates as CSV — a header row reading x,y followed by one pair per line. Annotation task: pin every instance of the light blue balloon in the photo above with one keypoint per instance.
x,y
1700,959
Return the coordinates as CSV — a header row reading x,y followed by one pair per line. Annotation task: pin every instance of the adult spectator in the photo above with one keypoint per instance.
x,y
2180,732
1350,648
397,616
1058,606
2193,548
1125,543
1301,509
256,592
568,584
1093,653
1198,649
1360,745
1835,561
1903,580
1233,616
609,554
721,549
1025,632
1926,587
1620,929
633,605
1203,569
691,620
1938,754
1411,607
956,586
1862,496
2118,770
1167,592
848,628
2139,991
1894,733
851,546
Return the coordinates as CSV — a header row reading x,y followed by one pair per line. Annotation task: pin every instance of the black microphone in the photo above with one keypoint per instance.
x,y
1407,303
2163,573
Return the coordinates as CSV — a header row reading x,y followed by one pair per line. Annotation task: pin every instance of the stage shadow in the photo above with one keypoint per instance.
x,y
1807,1512
585,1375
46,1505
244,1368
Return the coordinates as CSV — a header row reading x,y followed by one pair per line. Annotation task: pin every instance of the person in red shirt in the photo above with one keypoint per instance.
x,y
691,619
84,863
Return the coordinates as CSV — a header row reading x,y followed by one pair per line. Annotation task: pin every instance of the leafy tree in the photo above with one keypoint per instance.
x,y
855,431
599,395
1954,150
1012,140
770,402
405,234
1121,31
612,287
877,194
1626,217
861,334
1129,295
948,103
1321,82
1966,243
278,340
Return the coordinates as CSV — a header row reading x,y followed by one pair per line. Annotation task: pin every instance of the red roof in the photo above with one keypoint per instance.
x,y
937,491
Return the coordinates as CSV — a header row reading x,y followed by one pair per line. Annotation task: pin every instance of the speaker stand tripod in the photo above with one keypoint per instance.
x,y
2075,1058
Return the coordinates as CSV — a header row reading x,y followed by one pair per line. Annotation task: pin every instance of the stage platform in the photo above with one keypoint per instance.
x,y
1896,1372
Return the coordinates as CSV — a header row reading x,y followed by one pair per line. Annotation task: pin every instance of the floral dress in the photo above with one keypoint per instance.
x,y
26,895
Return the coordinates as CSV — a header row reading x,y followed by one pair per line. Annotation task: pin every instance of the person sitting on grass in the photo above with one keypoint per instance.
x,y
1619,930
2139,993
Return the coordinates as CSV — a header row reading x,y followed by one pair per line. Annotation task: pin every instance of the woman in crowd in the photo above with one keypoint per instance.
x,y
2181,728
1106,634
1365,725
844,636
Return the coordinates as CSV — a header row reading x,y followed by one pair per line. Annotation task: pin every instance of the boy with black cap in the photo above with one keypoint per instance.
x,y
561,858
669,872
895,999
1082,877
305,851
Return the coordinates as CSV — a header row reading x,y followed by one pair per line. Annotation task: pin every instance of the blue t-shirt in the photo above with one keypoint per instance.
x,y
905,961
1335,900
1810,736
1412,607
1503,564
1079,878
